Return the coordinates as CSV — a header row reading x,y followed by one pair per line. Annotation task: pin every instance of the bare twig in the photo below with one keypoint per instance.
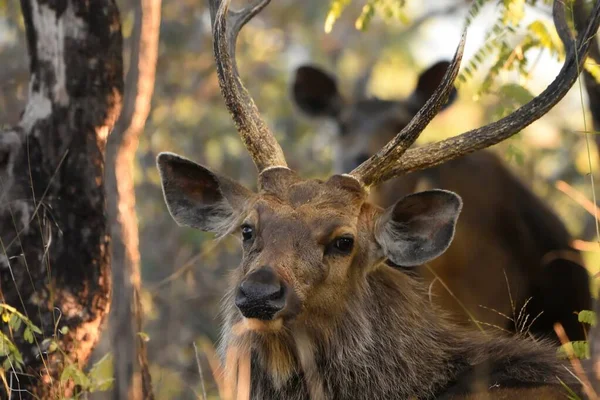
x,y
200,371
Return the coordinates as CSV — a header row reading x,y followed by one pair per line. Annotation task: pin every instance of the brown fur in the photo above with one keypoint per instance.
x,y
352,327
365,330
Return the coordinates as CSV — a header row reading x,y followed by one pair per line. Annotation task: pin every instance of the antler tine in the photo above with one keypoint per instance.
x,y
376,168
477,139
260,142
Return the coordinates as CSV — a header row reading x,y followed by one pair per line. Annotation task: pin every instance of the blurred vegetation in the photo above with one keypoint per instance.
x,y
183,270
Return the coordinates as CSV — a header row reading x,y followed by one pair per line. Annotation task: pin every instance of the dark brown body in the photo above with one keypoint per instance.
x,y
507,240
510,248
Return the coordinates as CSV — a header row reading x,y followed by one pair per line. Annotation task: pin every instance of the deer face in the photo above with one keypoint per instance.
x,y
307,244
365,125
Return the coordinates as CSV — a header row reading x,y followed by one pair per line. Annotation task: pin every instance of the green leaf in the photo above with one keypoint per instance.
x,y
101,374
72,372
144,336
15,322
28,335
34,328
475,10
514,11
580,349
368,11
335,10
587,317
5,317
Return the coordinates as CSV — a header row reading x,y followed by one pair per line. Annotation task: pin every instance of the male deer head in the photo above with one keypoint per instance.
x,y
305,240
312,270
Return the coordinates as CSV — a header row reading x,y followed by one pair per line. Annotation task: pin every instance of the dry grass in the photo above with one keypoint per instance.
x,y
232,379
575,363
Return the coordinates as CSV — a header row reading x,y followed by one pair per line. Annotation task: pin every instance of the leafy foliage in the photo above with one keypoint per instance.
x,y
500,39
13,360
579,349
388,9
587,317
94,381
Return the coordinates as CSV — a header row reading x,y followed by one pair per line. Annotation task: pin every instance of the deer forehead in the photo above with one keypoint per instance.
x,y
318,207
321,221
283,188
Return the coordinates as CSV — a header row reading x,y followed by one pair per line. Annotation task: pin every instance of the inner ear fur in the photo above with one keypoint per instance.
x,y
419,227
198,197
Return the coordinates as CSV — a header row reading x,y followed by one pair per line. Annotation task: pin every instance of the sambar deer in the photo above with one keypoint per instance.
x,y
313,307
508,240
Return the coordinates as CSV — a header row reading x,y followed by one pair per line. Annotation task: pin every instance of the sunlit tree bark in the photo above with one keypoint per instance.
x,y
54,262
126,317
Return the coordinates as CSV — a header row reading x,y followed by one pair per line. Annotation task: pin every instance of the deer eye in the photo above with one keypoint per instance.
x,y
247,233
343,244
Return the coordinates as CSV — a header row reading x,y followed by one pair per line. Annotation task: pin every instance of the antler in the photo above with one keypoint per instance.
x,y
376,169
260,142
437,153
488,135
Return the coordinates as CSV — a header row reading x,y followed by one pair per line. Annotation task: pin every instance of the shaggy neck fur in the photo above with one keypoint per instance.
x,y
388,343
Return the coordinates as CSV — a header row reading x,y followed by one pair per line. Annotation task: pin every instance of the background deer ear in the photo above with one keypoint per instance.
x,y
428,81
198,197
315,92
419,227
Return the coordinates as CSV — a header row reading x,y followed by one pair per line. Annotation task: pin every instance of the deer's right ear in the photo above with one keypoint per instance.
x,y
316,93
419,227
198,197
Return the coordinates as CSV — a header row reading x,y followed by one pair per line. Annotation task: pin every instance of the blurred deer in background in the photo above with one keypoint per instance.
x,y
313,305
507,240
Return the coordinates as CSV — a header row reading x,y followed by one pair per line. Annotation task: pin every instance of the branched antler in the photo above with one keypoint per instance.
x,y
260,142
395,158
476,139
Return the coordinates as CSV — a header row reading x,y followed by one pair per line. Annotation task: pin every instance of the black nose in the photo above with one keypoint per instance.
x,y
261,295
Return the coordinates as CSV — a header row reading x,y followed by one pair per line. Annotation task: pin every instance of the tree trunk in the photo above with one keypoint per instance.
x,y
121,149
54,263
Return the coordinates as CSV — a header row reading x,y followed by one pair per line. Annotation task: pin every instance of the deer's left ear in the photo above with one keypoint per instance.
x,y
419,227
198,197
